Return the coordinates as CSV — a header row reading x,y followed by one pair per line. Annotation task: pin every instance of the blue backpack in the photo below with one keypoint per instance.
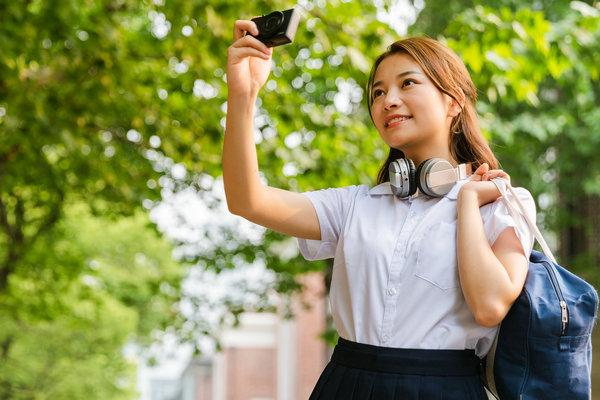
x,y
543,349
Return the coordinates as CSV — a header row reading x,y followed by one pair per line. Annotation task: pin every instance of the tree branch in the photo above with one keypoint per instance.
x,y
10,154
7,265
5,346
16,240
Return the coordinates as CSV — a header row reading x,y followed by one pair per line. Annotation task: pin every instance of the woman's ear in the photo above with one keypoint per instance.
x,y
456,104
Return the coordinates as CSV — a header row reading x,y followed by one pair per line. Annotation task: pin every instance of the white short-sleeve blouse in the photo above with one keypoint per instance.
x,y
395,275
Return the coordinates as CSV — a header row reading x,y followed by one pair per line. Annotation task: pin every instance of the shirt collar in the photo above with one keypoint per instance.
x,y
385,189
381,189
453,193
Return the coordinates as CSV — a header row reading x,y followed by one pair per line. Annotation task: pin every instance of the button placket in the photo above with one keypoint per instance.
x,y
396,267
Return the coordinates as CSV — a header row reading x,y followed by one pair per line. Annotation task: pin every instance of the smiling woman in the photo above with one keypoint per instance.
x,y
451,79
420,281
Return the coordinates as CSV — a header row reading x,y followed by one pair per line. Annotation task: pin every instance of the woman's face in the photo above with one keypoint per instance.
x,y
409,111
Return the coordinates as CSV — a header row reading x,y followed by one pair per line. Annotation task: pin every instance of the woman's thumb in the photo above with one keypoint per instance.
x,y
482,169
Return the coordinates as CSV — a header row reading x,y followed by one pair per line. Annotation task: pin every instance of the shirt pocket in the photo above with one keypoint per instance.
x,y
436,257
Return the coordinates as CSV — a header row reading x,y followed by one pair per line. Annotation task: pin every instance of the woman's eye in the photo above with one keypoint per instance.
x,y
408,82
377,93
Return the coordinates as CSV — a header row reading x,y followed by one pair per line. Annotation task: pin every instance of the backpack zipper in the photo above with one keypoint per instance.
x,y
564,311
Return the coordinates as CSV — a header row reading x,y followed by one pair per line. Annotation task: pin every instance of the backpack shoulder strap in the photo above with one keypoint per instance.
x,y
504,187
491,390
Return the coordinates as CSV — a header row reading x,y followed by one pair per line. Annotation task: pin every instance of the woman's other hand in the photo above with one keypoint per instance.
x,y
481,186
248,60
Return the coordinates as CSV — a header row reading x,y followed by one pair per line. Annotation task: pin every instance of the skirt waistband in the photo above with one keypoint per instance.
x,y
406,361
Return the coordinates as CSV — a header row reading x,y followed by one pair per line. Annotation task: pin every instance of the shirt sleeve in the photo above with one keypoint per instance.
x,y
496,218
331,206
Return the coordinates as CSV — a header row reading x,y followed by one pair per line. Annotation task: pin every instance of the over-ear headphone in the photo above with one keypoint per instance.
x,y
434,177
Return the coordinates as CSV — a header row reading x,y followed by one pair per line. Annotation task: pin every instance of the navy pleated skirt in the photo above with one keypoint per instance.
x,y
364,372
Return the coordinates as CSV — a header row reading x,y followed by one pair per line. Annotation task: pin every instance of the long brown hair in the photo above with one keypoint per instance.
x,y
449,74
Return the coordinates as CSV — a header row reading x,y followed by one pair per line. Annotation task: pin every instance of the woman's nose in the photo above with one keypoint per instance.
x,y
392,100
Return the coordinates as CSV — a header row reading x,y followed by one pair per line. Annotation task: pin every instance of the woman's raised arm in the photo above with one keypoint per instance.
x,y
248,67
491,277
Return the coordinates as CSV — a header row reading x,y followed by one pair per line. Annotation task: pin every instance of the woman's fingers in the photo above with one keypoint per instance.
x,y
241,27
237,53
251,41
495,173
484,173
250,46
480,172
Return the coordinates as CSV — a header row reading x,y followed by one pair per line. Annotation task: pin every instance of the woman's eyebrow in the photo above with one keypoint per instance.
x,y
400,75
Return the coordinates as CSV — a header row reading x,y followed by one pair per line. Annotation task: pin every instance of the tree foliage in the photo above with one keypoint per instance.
x,y
90,286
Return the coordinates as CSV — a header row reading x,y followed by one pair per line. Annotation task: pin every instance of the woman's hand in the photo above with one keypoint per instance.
x,y
481,186
248,60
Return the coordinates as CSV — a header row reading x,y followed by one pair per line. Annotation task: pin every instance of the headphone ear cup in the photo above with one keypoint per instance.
x,y
421,176
428,166
412,177
403,178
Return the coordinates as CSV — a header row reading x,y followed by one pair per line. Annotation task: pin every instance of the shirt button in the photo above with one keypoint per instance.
x,y
384,338
392,292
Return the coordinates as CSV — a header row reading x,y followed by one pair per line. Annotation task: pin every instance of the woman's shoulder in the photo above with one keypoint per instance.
x,y
522,192
351,190
523,195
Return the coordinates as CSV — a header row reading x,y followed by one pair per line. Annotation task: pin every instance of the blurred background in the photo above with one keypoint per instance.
x,y
123,276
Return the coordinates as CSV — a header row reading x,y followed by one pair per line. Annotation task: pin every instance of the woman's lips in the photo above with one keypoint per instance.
x,y
396,120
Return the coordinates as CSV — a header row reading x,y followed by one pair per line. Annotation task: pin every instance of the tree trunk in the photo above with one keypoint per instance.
x,y
580,237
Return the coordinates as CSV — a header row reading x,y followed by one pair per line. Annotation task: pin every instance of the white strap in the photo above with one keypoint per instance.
x,y
502,185
491,389
490,394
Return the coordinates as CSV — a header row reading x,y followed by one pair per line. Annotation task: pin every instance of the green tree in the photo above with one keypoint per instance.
x,y
90,285
73,94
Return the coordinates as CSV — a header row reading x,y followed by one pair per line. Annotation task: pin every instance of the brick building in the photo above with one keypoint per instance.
x,y
266,357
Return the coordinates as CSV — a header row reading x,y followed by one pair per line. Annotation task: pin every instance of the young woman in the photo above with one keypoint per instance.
x,y
420,282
